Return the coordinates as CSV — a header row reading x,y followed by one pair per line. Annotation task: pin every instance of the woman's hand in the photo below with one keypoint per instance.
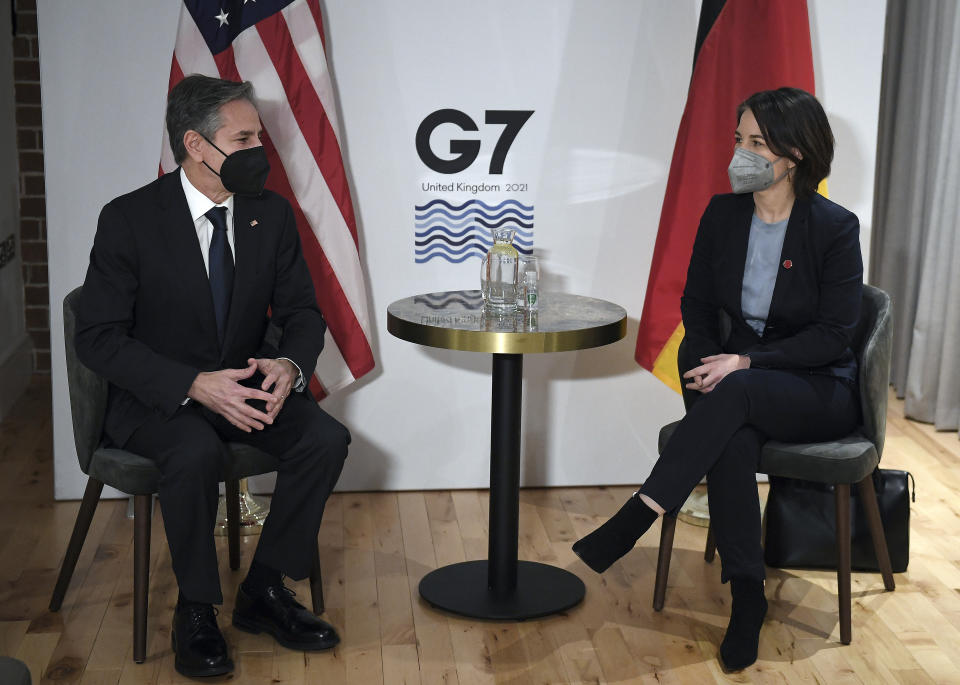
x,y
714,369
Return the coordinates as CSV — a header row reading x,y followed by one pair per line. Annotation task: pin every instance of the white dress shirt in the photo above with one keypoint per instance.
x,y
199,205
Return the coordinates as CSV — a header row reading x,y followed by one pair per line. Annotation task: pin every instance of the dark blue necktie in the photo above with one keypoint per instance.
x,y
221,268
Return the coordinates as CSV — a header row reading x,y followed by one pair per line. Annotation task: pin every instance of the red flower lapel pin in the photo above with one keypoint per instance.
x,y
787,264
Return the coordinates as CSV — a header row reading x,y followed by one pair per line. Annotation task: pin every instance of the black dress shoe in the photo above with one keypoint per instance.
x,y
197,642
276,612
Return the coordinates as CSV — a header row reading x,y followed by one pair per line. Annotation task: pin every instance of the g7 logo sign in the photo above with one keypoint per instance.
x,y
466,151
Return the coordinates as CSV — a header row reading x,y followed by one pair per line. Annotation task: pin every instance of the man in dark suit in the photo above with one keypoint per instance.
x,y
185,276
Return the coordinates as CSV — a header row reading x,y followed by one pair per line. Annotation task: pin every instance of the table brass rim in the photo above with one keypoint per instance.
x,y
508,342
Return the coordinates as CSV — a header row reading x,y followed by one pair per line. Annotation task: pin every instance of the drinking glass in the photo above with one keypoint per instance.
x,y
528,263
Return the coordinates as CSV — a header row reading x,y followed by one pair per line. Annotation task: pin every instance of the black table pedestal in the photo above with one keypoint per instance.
x,y
541,590
500,587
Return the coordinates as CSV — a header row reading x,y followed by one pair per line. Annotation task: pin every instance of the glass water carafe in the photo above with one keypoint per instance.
x,y
499,278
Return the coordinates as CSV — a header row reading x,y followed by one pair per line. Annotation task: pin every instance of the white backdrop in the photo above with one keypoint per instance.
x,y
607,82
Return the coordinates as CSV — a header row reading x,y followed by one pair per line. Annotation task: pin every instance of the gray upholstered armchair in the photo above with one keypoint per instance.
x,y
841,463
137,476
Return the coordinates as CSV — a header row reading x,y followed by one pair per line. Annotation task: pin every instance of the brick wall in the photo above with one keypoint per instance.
x,y
33,222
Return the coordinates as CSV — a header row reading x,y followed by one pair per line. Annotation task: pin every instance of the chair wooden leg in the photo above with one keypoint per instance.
x,y
141,573
91,497
842,503
232,499
316,585
710,551
872,510
668,526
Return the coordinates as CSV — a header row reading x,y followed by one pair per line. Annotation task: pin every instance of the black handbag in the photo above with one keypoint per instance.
x,y
801,523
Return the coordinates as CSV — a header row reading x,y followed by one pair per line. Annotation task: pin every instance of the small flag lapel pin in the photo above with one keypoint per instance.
x,y
253,223
787,264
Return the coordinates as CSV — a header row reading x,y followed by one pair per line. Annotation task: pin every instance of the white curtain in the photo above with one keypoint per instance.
x,y
915,254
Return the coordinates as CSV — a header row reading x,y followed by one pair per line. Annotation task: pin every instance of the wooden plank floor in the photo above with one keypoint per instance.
x,y
375,547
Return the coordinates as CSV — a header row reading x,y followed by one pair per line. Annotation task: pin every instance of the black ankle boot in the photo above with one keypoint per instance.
x,y
617,536
749,607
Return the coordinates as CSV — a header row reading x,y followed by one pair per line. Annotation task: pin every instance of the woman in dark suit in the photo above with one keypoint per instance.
x,y
783,264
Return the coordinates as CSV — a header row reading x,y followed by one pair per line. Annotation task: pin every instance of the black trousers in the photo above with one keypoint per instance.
x,y
189,449
721,437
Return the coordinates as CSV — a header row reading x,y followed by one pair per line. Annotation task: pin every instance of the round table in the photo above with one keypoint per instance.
x,y
501,587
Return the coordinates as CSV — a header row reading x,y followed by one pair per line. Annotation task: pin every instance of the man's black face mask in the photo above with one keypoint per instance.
x,y
243,172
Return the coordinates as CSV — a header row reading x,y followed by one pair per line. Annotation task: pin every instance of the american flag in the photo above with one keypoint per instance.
x,y
278,45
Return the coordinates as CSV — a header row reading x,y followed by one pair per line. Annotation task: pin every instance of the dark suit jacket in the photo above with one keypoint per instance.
x,y
816,301
146,320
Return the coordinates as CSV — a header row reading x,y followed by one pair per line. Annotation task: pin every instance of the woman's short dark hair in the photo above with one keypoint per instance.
x,y
792,121
194,105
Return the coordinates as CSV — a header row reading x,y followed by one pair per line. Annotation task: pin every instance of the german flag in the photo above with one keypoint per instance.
x,y
743,46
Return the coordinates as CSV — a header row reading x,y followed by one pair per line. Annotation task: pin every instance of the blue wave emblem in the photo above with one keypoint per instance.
x,y
471,299
471,203
476,214
456,233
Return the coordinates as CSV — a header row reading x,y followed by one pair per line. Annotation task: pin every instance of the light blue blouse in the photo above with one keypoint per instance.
x,y
760,271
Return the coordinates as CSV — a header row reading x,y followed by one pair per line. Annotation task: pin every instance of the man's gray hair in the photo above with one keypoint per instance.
x,y
194,105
